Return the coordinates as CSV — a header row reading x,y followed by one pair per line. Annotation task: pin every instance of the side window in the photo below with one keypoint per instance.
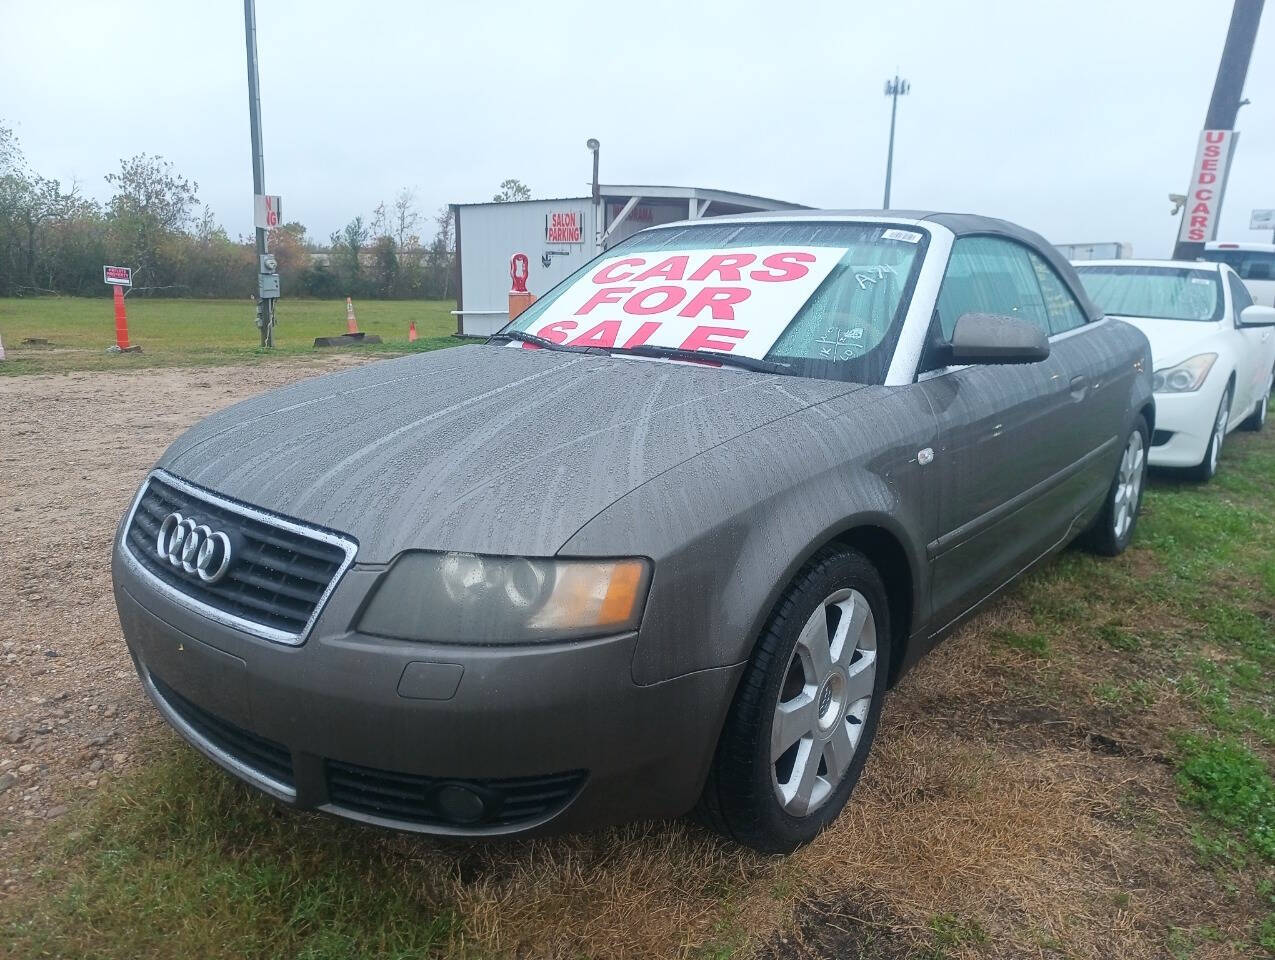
x,y
989,275
1240,297
1063,310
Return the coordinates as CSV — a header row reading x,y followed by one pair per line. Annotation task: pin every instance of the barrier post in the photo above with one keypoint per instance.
x,y
121,320
351,325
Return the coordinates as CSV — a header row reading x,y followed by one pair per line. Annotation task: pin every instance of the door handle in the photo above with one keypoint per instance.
x,y
1079,387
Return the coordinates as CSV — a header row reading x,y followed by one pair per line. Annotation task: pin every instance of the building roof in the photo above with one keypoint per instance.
x,y
650,192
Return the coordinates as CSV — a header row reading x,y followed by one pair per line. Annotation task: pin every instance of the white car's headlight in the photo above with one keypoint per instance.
x,y
468,598
1186,377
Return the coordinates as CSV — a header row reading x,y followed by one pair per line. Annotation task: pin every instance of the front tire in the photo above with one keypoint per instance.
x,y
1207,468
804,716
1113,529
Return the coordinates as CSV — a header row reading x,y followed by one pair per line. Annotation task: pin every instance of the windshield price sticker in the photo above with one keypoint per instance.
x,y
737,300
907,236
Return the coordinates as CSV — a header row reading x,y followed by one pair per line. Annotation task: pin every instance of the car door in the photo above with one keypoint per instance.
x,y
997,432
1099,378
1253,363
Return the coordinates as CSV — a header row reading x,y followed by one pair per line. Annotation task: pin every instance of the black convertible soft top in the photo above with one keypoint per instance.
x,y
961,224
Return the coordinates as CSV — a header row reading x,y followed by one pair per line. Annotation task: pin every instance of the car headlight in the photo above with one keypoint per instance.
x,y
469,598
1185,377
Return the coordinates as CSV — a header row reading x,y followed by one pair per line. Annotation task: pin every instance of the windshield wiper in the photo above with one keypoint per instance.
x,y
548,344
704,356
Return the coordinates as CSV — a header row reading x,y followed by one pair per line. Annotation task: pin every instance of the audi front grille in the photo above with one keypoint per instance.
x,y
232,562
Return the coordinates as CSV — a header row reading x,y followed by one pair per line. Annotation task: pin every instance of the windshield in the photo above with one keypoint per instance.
x,y
1249,264
825,300
1169,293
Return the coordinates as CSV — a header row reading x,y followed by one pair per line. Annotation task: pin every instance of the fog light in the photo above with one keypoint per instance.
x,y
459,804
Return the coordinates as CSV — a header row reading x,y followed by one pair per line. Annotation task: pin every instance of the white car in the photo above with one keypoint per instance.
x,y
1213,351
1254,262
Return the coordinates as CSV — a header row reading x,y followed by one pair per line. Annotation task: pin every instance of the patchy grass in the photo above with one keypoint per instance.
x,y
188,332
1083,772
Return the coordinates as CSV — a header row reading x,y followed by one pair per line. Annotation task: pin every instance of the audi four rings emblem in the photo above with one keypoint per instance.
x,y
194,547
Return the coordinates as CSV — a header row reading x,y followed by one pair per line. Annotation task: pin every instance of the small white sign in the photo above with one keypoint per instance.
x,y
907,236
267,211
1208,183
1262,220
564,227
119,276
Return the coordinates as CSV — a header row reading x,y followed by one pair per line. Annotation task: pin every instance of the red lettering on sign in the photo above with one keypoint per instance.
x,y
1212,151
670,297
643,334
1209,164
1200,208
1207,178
674,268
718,300
607,274
706,338
791,266
603,335
1199,221
1214,136
725,265
609,295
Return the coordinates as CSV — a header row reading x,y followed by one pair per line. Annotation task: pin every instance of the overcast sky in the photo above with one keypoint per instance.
x,y
1074,118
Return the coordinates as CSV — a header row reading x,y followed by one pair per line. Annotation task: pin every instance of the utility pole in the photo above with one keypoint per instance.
x,y
267,279
594,147
893,89
1228,92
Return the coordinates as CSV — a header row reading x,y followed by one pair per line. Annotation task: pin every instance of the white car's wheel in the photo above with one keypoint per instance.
x,y
1207,468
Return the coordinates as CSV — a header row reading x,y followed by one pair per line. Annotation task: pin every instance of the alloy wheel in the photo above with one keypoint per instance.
x,y
1219,432
1129,484
823,702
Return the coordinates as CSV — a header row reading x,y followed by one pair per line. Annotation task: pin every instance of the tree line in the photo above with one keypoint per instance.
x,y
54,240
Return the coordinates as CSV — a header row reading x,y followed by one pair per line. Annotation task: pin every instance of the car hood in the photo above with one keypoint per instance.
x,y
480,449
1173,341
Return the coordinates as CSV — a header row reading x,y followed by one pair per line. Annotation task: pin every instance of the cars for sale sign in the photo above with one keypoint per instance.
x,y
1208,183
120,276
564,227
736,300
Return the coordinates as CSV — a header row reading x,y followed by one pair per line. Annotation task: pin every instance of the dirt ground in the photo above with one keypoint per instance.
x,y
73,449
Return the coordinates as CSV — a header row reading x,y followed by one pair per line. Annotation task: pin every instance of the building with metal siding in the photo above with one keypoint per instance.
x,y
558,236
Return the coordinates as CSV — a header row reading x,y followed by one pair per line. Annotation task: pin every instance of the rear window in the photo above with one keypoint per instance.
x,y
1169,293
1249,264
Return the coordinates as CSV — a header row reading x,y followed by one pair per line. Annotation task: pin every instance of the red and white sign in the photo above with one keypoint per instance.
x,y
1208,183
564,227
119,276
735,300
267,211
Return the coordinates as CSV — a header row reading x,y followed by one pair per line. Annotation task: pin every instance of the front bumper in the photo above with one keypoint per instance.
x,y
1187,419
548,737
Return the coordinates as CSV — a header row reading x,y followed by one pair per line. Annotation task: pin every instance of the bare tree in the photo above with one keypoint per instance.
x,y
406,219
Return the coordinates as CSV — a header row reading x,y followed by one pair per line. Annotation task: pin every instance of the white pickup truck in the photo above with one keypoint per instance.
x,y
1254,262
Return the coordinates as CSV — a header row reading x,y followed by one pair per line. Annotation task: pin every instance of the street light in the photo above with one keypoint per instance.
x,y
593,147
894,89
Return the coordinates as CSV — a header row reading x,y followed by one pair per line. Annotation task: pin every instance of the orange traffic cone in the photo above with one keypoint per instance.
x,y
351,325
411,337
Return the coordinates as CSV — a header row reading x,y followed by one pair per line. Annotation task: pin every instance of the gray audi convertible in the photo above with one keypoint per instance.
x,y
661,545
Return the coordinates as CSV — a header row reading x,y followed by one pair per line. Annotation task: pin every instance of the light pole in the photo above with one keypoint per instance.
x,y
594,147
894,89
267,280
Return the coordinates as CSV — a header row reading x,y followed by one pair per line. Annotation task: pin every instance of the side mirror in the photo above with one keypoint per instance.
x,y
1257,316
987,338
